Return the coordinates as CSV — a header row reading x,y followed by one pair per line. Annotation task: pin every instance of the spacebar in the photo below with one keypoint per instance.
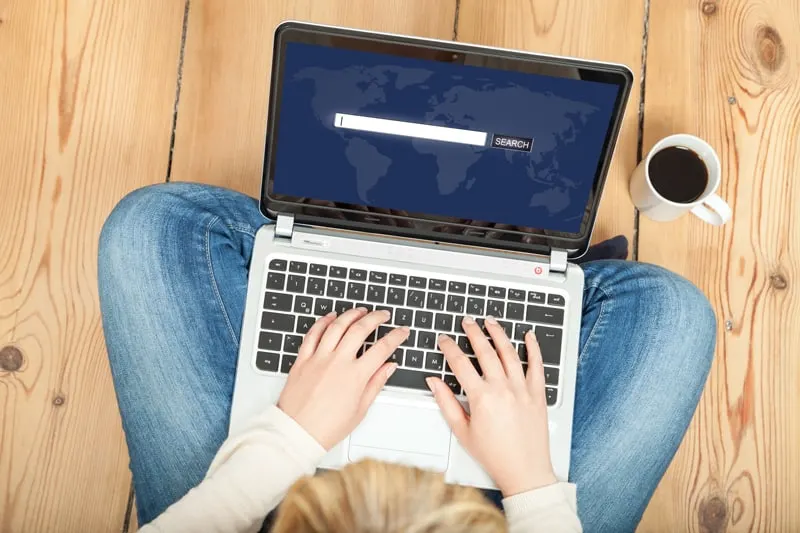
x,y
411,379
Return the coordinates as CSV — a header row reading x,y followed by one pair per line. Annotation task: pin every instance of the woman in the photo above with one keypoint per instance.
x,y
173,273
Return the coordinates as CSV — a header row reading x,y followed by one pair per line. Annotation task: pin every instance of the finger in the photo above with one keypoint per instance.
x,y
381,350
535,376
336,330
460,364
358,332
490,363
313,336
375,386
505,350
452,411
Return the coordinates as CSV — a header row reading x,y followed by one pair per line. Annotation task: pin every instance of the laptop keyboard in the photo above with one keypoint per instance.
x,y
298,292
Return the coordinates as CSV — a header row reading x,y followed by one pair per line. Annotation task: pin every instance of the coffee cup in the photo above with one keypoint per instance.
x,y
680,173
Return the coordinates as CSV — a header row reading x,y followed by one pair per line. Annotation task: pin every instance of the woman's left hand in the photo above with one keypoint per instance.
x,y
329,390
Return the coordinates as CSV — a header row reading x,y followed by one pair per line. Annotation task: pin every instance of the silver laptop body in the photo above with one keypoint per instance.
x,y
310,261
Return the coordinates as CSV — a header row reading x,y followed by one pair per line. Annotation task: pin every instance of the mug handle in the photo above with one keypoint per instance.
x,y
715,212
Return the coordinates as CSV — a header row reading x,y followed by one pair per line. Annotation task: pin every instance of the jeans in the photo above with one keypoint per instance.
x,y
173,267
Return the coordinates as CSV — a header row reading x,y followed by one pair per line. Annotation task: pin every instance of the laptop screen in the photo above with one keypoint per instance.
x,y
515,147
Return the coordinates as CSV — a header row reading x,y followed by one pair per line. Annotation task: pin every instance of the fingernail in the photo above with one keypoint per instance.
x,y
491,320
362,309
443,337
468,320
530,335
406,330
332,313
387,314
390,370
431,385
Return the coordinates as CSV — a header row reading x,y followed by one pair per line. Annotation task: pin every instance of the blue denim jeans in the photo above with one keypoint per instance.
x,y
173,271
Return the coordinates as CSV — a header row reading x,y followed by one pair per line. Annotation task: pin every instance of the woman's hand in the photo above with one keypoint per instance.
x,y
506,430
329,390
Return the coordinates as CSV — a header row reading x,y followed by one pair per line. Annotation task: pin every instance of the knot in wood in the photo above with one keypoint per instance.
x,y
709,8
59,400
10,358
769,48
778,282
713,514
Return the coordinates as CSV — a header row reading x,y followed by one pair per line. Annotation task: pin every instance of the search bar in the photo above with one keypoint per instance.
x,y
410,129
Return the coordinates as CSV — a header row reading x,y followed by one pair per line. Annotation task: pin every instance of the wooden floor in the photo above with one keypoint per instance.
x,y
99,98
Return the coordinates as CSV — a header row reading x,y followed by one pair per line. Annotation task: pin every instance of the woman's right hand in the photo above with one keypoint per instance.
x,y
506,429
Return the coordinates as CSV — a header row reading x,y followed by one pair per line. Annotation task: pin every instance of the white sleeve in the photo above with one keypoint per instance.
x,y
550,509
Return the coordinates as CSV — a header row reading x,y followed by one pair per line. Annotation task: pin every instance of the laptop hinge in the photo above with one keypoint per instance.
x,y
284,226
558,260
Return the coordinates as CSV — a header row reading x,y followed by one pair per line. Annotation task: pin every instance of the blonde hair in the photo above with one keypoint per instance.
x,y
376,497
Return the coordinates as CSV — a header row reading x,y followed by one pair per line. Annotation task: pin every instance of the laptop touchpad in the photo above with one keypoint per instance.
x,y
400,433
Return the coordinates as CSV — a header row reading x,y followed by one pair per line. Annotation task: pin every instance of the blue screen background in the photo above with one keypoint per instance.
x,y
545,188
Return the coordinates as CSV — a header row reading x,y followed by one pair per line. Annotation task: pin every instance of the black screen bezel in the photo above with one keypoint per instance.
x,y
419,225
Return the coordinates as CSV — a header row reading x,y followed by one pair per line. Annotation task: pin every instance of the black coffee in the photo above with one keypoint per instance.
x,y
678,174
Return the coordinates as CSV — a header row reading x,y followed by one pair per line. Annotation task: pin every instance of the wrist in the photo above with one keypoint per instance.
x,y
524,483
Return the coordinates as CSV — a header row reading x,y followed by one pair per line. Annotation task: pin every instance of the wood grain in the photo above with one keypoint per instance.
x,y
730,73
223,107
86,95
577,28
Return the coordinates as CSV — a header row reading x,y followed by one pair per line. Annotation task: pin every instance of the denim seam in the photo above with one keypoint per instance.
x,y
214,283
247,230
596,322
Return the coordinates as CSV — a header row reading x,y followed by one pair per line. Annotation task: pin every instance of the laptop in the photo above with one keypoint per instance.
x,y
433,179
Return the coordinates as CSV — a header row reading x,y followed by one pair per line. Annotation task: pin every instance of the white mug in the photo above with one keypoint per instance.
x,y
708,207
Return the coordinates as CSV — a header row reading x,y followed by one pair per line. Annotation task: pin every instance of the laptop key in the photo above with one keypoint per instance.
x,y
396,296
426,340
303,304
298,267
338,272
550,395
414,359
341,306
423,319
317,270
435,301
544,315
277,321
455,304
415,299
268,340
516,294
495,308
477,290
418,282
458,326
515,311
384,308
411,379
535,297
323,306
377,277
466,347
451,381
296,284
398,279
476,306
396,357
304,324
278,301
335,289
550,344
287,362
355,291
507,327
550,375
277,264
382,332
476,364
555,299
368,307
358,274
436,284
434,361
520,330
403,317
497,292
291,343
522,351
316,286
443,322
276,281
409,342
267,361
457,287
376,293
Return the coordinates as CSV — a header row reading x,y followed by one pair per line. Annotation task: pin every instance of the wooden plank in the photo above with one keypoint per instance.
x,y
576,28
729,72
223,106
86,96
